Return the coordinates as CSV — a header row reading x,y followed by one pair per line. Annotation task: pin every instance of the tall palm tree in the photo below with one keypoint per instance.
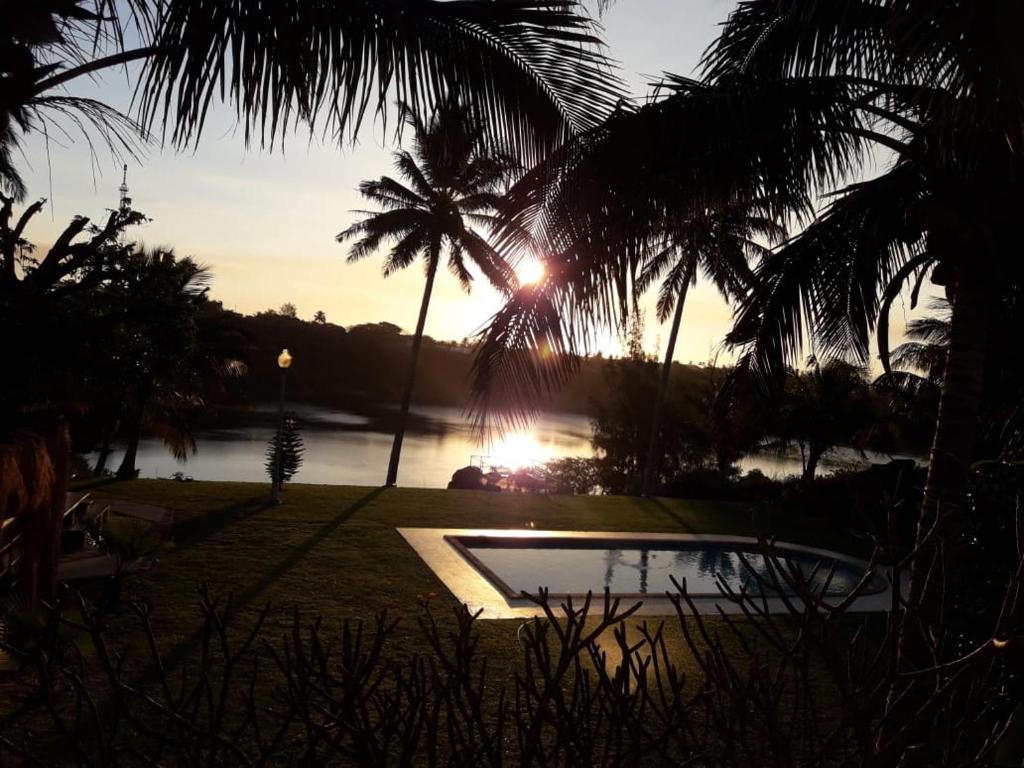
x,y
795,96
531,66
719,244
452,186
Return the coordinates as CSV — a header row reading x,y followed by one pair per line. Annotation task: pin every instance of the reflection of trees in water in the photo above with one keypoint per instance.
x,y
718,562
612,557
737,569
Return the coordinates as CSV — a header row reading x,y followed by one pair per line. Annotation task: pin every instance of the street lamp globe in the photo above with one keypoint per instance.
x,y
284,360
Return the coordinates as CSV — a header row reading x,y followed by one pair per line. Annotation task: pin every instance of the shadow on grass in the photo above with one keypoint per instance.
x,y
295,555
661,506
197,527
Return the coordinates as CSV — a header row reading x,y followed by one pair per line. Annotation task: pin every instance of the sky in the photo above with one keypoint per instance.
x,y
265,221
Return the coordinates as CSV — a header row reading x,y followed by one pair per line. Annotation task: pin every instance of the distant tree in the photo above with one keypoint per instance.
x,y
728,415
720,245
572,475
320,317
288,310
292,450
454,187
168,352
825,406
622,420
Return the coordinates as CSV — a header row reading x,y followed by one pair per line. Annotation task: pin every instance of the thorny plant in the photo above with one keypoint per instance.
x,y
790,679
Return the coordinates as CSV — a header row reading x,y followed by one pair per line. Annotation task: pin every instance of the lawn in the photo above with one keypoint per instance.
x,y
334,552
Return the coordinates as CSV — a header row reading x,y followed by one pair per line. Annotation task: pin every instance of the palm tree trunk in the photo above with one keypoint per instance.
x,y
127,470
417,341
956,429
651,463
959,406
939,524
102,456
814,455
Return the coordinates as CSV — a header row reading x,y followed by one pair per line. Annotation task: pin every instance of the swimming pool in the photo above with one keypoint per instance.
x,y
491,569
640,568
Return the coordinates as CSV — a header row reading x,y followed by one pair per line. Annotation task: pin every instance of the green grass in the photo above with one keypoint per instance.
x,y
334,552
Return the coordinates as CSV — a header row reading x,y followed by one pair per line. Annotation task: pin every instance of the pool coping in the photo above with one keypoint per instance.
x,y
473,588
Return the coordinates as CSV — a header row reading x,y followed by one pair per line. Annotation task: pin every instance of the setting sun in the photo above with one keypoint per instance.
x,y
519,450
530,270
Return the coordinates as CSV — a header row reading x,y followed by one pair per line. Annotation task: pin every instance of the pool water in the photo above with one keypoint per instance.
x,y
576,566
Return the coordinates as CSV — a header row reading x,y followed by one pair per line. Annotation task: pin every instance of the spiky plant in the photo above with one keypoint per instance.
x,y
285,452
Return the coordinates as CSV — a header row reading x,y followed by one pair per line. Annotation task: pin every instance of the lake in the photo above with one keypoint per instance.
x,y
347,448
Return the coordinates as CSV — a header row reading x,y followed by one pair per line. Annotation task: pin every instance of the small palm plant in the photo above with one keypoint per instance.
x,y
452,187
285,452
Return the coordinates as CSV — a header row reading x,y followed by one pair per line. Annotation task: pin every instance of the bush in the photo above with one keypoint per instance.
x,y
713,485
592,688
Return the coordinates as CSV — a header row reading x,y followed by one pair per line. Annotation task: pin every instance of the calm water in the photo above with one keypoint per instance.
x,y
525,566
344,448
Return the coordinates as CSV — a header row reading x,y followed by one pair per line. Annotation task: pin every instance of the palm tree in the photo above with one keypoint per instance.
x,y
824,406
452,186
531,66
918,367
721,245
169,352
795,96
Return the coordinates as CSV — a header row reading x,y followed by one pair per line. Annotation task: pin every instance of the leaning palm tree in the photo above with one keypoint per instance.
x,y
721,245
452,186
531,66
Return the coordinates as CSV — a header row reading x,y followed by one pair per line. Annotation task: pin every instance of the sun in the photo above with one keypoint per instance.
x,y
519,450
530,270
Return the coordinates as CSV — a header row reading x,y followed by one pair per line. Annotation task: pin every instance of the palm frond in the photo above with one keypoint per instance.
x,y
495,268
607,202
803,38
380,227
390,194
405,251
829,280
528,349
531,68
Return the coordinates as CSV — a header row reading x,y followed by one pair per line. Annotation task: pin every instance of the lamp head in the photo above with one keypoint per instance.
x,y
284,360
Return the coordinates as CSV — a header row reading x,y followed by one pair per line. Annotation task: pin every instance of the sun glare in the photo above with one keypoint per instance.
x,y
518,450
530,270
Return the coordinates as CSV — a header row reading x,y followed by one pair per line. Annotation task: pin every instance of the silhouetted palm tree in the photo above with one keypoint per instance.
x,y
822,407
531,66
452,186
169,356
794,97
917,364
719,244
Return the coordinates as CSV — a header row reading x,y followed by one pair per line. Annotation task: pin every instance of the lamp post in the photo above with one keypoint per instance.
x,y
284,361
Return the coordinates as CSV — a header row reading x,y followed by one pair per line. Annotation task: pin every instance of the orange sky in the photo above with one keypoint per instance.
x,y
265,222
